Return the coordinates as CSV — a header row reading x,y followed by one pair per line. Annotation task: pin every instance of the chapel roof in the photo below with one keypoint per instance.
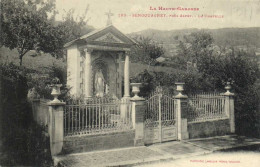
x,y
99,36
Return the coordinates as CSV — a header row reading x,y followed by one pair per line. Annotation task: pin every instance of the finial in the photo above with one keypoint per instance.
x,y
109,14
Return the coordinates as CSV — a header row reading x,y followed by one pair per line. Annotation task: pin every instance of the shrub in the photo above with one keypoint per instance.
x,y
23,141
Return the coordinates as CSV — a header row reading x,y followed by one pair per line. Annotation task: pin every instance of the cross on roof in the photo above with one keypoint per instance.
x,y
109,14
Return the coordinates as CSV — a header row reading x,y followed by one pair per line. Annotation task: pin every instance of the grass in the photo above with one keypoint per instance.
x,y
30,61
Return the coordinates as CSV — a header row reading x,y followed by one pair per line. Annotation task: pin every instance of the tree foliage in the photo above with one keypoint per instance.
x,y
25,25
30,25
214,67
74,27
217,66
146,51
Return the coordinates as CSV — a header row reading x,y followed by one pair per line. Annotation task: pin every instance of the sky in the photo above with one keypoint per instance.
x,y
229,13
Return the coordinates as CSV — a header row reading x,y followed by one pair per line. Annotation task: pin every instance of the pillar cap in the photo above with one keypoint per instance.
x,y
137,98
56,103
228,93
181,96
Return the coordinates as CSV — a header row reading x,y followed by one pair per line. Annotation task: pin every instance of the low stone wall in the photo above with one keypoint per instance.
x,y
209,128
98,142
40,111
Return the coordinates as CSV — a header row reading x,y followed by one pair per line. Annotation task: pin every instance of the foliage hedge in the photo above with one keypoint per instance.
x,y
23,141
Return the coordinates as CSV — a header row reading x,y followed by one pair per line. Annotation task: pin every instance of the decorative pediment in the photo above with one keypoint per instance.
x,y
110,38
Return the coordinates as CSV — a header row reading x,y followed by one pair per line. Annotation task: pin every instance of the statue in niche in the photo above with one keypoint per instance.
x,y
100,84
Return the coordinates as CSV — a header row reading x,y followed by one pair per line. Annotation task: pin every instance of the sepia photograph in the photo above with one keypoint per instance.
x,y
145,83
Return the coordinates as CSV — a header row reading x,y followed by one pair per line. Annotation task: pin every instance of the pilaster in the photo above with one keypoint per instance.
x,y
88,73
126,76
73,69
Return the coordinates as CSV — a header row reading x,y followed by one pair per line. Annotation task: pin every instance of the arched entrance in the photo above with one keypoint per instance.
x,y
100,80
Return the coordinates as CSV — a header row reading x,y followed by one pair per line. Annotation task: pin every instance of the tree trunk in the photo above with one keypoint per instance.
x,y
21,57
21,60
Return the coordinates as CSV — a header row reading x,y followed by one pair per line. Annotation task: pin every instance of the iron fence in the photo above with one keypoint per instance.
x,y
206,107
97,116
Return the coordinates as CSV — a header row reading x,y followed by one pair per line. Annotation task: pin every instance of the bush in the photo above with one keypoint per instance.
x,y
40,80
23,141
194,82
239,67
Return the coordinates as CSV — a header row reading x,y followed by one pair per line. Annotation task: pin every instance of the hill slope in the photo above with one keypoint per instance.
x,y
240,37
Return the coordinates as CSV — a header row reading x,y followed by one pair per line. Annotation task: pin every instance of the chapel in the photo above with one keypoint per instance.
x,y
98,64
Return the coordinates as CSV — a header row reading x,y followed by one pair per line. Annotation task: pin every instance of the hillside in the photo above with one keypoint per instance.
x,y
31,60
43,61
238,37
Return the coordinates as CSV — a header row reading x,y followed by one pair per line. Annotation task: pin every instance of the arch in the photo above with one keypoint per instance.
x,y
97,65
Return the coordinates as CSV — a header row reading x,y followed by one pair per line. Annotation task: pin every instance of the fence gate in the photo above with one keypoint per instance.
x,y
160,118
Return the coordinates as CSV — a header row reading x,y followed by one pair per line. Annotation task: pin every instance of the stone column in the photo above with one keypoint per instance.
x,y
120,72
126,77
73,70
88,73
229,107
55,126
181,102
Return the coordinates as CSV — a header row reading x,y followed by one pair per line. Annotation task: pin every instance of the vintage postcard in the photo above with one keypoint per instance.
x,y
130,83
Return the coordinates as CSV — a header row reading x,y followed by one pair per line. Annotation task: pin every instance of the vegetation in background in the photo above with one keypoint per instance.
x,y
30,25
211,69
146,51
246,38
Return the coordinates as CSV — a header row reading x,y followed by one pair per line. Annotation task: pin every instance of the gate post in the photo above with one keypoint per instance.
x,y
229,107
181,111
55,123
138,110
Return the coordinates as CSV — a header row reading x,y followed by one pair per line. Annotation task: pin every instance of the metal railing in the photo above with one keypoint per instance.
x,y
206,107
97,116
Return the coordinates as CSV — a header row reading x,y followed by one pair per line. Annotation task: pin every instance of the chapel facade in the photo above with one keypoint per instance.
x,y
98,64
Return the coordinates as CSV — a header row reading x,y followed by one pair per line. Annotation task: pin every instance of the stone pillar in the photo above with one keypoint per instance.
x,y
229,107
138,110
88,74
181,102
55,126
126,77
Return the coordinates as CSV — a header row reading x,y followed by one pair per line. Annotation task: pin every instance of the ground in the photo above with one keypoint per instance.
x,y
220,159
193,153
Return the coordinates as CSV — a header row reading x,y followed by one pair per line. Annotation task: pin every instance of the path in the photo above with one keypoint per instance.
x,y
155,153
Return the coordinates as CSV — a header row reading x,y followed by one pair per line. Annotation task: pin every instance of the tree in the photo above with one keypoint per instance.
x,y
195,47
217,66
74,27
25,25
146,51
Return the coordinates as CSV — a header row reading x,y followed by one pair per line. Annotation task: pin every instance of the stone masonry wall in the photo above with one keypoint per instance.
x,y
208,129
98,142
